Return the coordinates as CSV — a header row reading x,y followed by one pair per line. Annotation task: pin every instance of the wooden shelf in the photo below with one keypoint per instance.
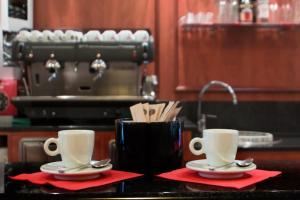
x,y
241,25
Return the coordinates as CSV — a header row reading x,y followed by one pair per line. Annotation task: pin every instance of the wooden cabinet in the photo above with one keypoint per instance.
x,y
101,150
102,139
14,138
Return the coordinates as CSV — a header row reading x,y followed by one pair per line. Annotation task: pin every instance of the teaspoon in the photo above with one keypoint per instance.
x,y
94,164
240,163
100,163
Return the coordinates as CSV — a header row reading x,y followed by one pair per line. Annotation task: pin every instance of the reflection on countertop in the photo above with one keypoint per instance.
x,y
284,186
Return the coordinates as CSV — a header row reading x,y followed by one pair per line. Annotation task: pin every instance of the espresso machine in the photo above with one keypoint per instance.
x,y
78,80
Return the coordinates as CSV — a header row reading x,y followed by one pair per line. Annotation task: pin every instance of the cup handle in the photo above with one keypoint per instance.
x,y
46,146
192,148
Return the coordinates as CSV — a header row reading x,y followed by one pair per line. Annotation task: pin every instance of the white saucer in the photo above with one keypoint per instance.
x,y
231,172
74,175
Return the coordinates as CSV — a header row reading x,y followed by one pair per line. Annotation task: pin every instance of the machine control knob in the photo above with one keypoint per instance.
x,y
44,112
53,114
105,113
30,55
145,53
134,55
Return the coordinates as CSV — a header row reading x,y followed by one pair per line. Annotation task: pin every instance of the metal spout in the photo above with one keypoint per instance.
x,y
52,65
98,65
201,120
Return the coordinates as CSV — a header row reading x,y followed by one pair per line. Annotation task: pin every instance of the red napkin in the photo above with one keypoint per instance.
x,y
105,178
250,178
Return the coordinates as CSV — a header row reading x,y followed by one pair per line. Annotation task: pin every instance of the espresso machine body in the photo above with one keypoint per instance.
x,y
75,79
122,76
82,75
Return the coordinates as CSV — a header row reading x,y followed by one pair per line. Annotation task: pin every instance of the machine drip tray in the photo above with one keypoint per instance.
x,y
76,110
72,122
70,98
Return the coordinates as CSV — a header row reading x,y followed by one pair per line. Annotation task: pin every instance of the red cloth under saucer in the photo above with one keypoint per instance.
x,y
106,177
249,178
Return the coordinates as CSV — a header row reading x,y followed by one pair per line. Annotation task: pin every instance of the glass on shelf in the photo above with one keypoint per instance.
x,y
228,11
275,14
284,12
196,19
297,11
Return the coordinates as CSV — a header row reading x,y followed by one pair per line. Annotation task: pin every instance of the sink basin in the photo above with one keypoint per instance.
x,y
256,138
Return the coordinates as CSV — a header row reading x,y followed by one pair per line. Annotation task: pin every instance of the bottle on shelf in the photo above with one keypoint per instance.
x,y
223,11
234,11
262,10
247,10
297,12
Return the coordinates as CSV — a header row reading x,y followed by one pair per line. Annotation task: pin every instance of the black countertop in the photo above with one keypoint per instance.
x,y
284,186
188,125
56,128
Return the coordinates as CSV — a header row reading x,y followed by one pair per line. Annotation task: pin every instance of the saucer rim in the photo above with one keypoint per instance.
x,y
76,173
219,171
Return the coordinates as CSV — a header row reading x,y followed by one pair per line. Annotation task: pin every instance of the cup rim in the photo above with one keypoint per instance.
x,y
76,131
220,131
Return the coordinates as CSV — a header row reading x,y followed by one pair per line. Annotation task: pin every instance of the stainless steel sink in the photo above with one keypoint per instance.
x,y
256,138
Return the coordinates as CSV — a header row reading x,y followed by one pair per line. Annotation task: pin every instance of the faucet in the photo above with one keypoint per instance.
x,y
201,118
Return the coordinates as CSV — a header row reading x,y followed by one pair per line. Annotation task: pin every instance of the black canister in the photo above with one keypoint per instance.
x,y
149,148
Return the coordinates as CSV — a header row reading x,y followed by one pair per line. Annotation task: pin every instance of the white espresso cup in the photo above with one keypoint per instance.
x,y
48,36
35,36
74,146
141,36
79,36
219,146
110,36
93,36
126,36
59,36
70,36
23,36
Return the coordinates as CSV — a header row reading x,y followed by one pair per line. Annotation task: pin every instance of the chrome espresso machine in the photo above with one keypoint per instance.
x,y
71,77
